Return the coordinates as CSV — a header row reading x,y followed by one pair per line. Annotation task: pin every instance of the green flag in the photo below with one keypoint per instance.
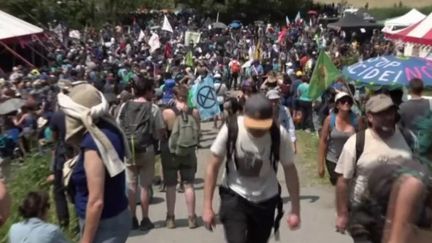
x,y
324,74
189,59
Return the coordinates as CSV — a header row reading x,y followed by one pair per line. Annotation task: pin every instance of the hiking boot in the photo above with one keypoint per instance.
x,y
192,221
135,224
146,224
170,222
180,188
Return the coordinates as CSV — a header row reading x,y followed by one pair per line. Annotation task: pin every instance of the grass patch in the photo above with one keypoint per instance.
x,y
307,157
31,176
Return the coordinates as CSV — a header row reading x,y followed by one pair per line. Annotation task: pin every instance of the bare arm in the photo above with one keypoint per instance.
x,y
322,150
211,174
95,173
342,195
292,184
5,203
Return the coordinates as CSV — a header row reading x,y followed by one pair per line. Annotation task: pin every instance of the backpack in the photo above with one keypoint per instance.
x,y
137,123
232,125
185,134
235,67
360,141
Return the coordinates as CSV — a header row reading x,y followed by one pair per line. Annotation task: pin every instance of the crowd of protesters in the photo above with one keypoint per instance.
x,y
89,101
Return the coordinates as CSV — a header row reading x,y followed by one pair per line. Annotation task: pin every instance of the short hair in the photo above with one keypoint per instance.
x,y
142,85
416,85
180,91
34,205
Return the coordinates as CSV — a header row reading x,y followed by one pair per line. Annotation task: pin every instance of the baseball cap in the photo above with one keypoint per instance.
x,y
273,94
258,112
378,103
340,95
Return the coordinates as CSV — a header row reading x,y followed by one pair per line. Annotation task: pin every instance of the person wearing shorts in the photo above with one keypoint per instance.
x,y
171,164
141,169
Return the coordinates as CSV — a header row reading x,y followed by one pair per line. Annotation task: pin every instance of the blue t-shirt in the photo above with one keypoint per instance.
x,y
115,200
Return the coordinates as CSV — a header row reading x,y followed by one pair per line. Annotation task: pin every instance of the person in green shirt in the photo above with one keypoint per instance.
x,y
305,106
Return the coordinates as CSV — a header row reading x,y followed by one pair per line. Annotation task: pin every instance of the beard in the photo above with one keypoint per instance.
x,y
385,131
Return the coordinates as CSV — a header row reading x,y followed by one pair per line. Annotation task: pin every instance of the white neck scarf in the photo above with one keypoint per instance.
x,y
110,158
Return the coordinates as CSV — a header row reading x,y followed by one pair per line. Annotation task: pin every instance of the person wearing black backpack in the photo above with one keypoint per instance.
x,y
143,125
381,143
250,193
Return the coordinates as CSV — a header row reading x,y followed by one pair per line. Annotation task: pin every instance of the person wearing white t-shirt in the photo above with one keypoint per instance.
x,y
250,192
383,142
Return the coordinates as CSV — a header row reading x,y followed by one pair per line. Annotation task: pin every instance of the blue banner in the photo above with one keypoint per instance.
x,y
205,98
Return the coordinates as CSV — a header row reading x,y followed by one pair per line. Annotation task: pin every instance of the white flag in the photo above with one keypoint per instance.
x,y
154,42
298,17
288,22
192,38
166,25
141,36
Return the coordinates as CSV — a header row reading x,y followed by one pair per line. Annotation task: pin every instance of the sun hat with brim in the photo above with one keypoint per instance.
x,y
258,112
341,95
86,95
379,103
273,94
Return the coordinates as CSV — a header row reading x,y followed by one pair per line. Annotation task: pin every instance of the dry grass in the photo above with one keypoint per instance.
x,y
382,3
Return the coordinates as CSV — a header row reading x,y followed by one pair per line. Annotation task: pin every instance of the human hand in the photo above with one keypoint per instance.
x,y
341,223
293,221
50,179
209,219
321,171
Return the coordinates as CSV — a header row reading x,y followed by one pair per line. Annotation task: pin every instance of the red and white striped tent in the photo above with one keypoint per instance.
x,y
419,33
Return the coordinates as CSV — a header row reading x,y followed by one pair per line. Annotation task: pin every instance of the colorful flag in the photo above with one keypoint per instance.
x,y
324,74
205,98
288,22
282,35
166,25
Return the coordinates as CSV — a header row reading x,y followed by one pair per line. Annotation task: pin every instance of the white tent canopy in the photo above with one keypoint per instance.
x,y
12,27
412,17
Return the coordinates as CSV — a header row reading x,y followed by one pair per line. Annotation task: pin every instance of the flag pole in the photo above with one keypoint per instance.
x,y
217,17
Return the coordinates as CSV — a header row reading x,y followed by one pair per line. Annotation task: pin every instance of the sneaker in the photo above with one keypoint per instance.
x,y
146,224
170,222
192,221
135,224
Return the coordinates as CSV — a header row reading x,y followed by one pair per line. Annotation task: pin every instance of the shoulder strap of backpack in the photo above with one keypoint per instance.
x,y
359,145
232,126
409,137
275,145
332,120
122,113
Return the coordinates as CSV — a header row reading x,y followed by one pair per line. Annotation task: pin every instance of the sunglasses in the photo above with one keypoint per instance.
x,y
346,100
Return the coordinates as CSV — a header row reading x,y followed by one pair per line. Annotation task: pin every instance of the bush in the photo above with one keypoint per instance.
x,y
30,176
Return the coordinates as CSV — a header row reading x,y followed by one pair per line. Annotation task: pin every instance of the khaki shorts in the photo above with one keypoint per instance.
x,y
143,169
171,164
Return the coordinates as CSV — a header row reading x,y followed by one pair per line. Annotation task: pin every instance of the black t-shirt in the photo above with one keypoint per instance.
x,y
62,150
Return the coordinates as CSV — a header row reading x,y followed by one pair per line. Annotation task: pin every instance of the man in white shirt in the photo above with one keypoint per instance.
x,y
250,192
383,142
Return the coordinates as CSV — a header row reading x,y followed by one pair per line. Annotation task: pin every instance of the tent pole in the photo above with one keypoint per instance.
x,y
16,54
